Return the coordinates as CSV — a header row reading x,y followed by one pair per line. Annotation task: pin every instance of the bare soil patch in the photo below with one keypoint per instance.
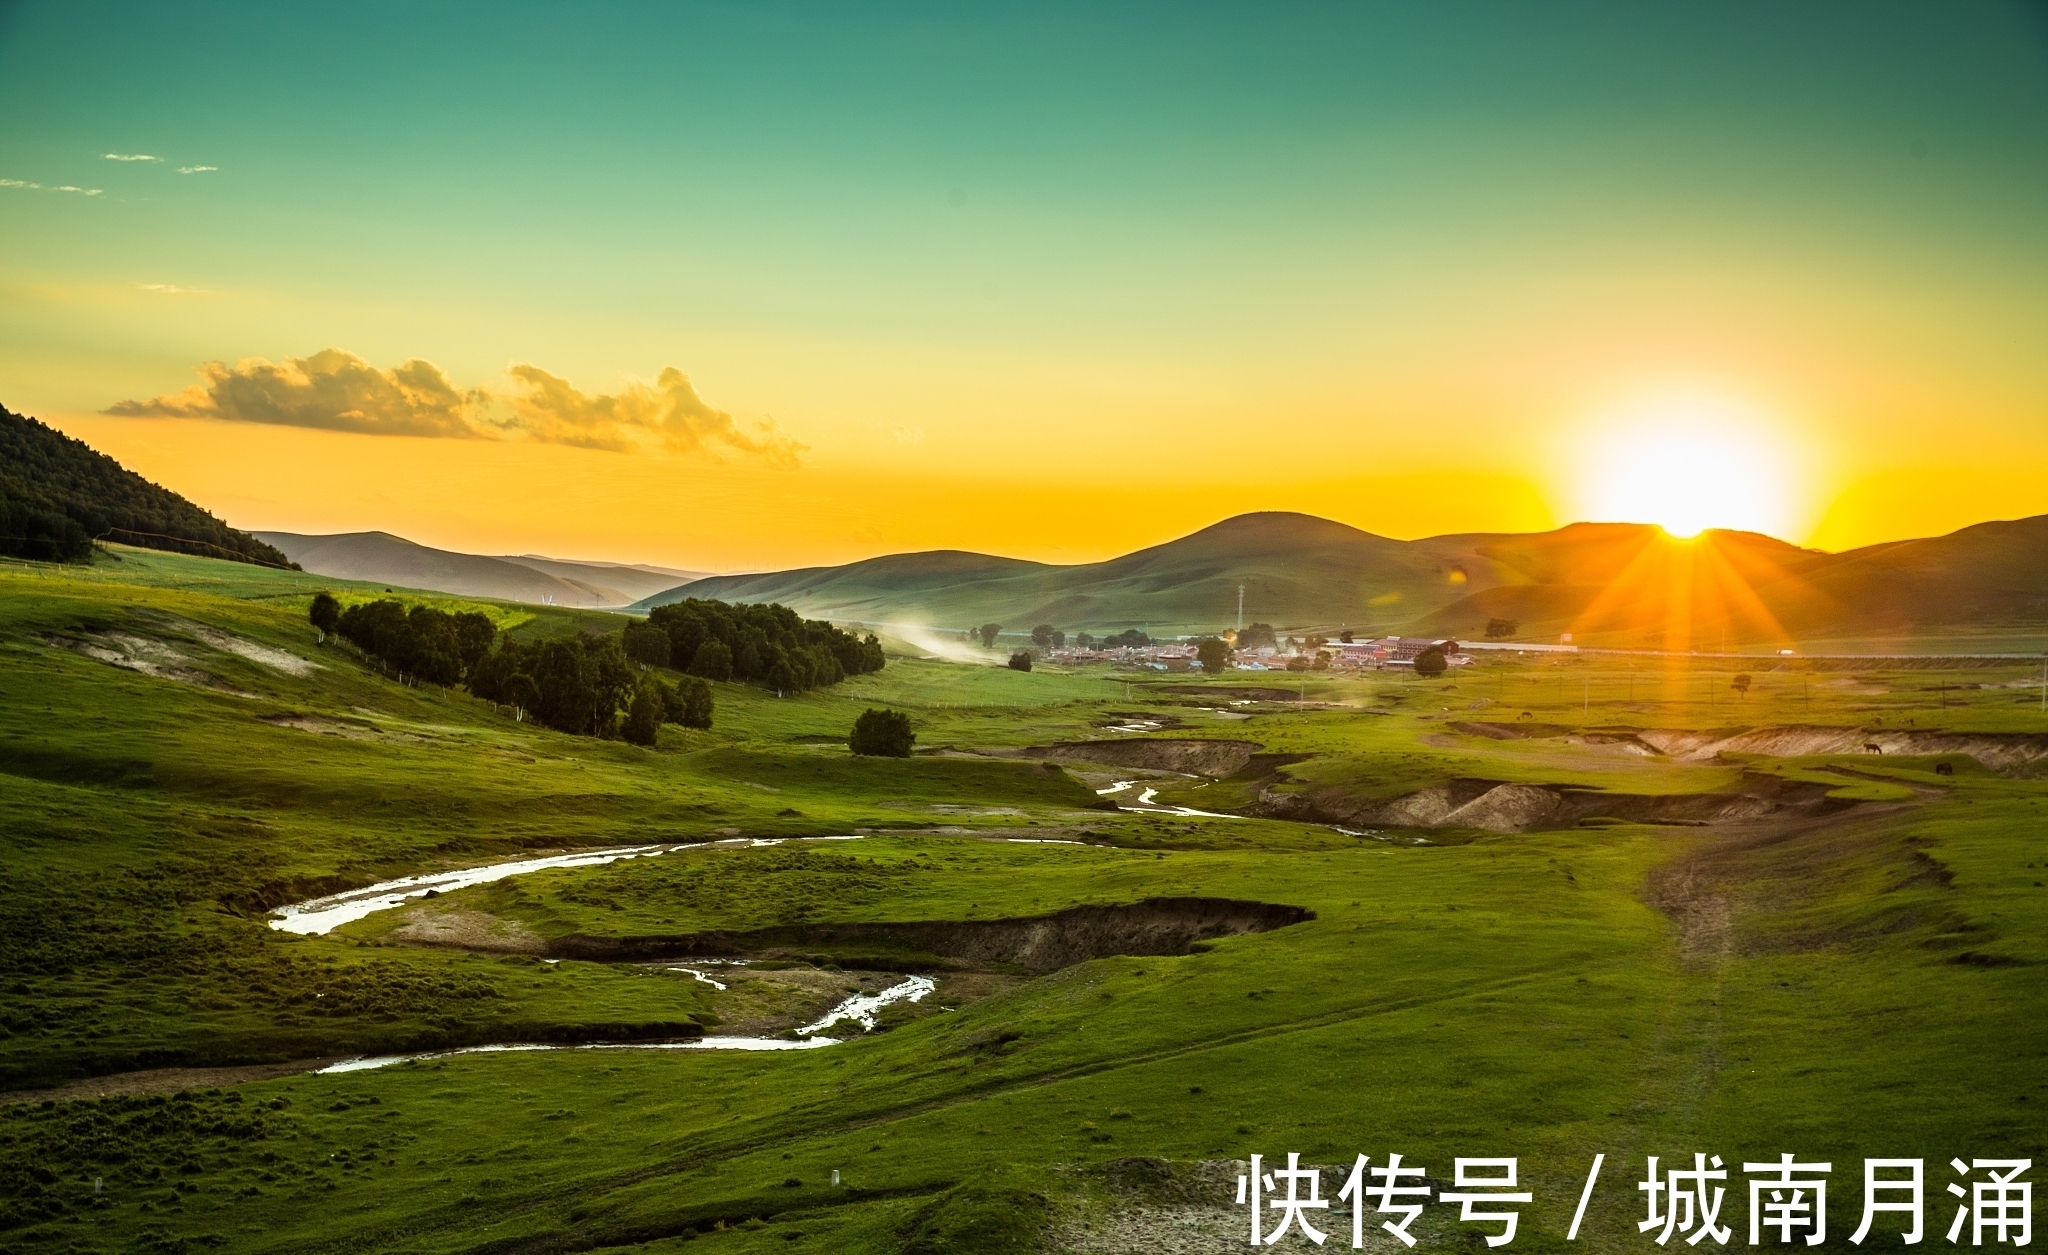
x,y
2023,754
429,925
323,727
1192,757
144,656
1243,694
1496,806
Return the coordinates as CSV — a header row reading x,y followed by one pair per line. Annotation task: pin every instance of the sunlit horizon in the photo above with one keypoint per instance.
x,y
882,281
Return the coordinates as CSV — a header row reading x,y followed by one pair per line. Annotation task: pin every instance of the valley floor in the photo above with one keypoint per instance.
x,y
1550,909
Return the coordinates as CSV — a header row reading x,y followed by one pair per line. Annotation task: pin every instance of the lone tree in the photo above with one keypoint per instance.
x,y
1740,684
1041,636
1021,660
1501,629
326,613
1430,663
1213,654
882,734
1257,634
988,633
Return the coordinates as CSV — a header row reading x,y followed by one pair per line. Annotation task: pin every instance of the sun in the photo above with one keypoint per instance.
x,y
1687,463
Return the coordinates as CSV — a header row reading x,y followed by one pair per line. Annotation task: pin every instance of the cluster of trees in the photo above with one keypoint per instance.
x,y
1020,660
1213,653
1431,663
420,643
1129,638
1501,629
1256,634
1046,636
57,494
588,686
988,632
882,734
579,684
767,645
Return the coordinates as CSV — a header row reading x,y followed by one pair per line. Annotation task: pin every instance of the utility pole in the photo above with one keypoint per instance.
x,y
1240,610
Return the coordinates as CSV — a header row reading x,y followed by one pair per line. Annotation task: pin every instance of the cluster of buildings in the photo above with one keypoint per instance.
x,y
1383,652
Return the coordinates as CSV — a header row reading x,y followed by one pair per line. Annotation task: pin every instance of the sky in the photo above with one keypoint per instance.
x,y
758,286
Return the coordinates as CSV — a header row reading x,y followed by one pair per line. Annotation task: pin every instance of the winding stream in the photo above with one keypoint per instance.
x,y
1147,805
320,915
861,1009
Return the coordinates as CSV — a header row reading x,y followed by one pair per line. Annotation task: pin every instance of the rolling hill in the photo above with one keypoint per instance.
x,y
1606,583
58,494
379,557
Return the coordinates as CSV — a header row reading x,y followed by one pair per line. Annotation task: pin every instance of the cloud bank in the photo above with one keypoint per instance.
x,y
337,391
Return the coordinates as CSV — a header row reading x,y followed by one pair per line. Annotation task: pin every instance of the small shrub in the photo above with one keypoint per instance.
x,y
882,734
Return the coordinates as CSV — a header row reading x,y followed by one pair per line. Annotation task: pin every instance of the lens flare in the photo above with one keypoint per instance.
x,y
1687,463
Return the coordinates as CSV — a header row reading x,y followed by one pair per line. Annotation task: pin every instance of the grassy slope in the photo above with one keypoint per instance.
x,y
1873,990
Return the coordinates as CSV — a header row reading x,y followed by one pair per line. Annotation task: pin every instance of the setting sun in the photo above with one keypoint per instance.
x,y
1688,464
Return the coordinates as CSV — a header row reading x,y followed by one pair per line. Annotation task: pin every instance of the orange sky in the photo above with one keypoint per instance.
x,y
1037,282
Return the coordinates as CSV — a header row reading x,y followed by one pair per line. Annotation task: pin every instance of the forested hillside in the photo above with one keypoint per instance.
x,y
57,495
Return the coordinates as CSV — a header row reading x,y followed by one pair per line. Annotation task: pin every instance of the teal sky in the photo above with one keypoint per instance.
x,y
920,235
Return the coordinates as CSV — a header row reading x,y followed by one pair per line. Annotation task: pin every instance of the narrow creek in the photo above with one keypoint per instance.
x,y
861,1009
322,915
1149,805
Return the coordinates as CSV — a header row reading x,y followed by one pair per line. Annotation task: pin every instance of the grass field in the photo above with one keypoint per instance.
x,y
1861,978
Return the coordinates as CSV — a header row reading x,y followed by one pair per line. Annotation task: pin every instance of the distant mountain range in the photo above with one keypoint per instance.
x,y
381,558
1606,583
1619,584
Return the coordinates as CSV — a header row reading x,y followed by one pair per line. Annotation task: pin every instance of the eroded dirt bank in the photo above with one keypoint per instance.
x,y
1494,806
1045,943
2008,753
1192,757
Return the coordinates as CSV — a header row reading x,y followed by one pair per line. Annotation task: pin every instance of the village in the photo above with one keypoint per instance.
x,y
1259,648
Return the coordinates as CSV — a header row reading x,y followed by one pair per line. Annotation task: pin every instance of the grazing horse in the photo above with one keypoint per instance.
x,y
1872,747
1944,769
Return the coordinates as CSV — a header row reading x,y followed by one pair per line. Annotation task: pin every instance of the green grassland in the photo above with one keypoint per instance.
x,y
1866,982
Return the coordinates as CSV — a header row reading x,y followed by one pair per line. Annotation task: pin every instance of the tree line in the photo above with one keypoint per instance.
x,y
761,644
579,683
605,685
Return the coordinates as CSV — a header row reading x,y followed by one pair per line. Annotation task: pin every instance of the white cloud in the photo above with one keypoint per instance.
x,y
166,287
37,187
131,157
910,435
338,391
196,169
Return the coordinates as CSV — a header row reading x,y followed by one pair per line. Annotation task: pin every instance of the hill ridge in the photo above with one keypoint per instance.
x,y
58,494
1615,583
